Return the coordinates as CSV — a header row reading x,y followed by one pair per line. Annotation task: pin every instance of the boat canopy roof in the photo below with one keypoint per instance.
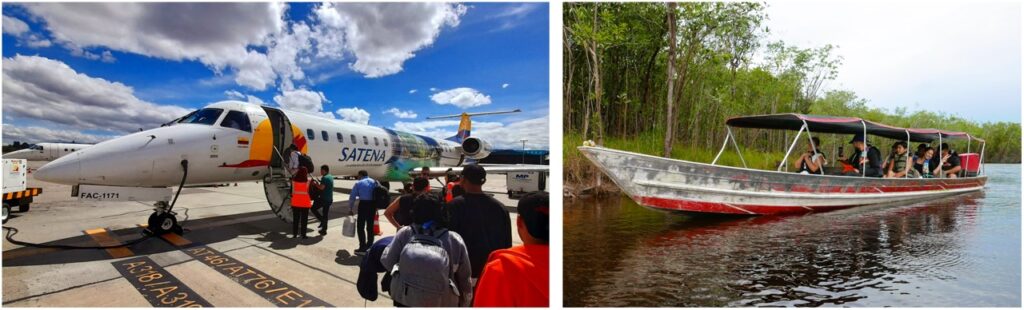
x,y
844,125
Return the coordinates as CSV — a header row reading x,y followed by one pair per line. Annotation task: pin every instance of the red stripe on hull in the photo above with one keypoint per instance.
x,y
722,208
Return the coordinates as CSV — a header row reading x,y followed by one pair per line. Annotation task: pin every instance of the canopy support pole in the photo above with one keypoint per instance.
x,y
724,144
791,146
981,160
866,150
942,174
907,175
963,172
734,144
821,170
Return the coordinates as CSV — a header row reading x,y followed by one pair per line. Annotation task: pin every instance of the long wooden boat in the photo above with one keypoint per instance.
x,y
679,185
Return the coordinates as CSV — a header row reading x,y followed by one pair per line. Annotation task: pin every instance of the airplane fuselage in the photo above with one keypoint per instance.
x,y
233,141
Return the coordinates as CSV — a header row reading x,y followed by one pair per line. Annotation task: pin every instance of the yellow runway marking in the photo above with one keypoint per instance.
x,y
103,237
172,238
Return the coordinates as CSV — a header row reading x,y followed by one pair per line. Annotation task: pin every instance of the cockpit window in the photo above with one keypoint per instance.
x,y
37,147
237,120
206,116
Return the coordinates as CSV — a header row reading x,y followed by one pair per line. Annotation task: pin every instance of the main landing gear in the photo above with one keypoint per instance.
x,y
163,220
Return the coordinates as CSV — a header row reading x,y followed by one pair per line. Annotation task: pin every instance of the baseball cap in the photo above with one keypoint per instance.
x,y
533,209
474,174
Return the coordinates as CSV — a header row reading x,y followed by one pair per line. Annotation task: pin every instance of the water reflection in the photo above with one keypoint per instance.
x,y
621,254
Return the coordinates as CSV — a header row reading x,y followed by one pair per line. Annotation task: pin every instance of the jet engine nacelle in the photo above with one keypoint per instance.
x,y
476,148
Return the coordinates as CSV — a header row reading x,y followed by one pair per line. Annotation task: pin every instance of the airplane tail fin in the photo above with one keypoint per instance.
x,y
466,125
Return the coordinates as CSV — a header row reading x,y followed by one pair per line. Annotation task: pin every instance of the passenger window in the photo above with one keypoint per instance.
x,y
340,138
237,120
366,141
65,150
323,134
310,134
376,142
353,139
204,116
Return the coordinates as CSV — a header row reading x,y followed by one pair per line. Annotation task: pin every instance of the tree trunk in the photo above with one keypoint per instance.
x,y
667,151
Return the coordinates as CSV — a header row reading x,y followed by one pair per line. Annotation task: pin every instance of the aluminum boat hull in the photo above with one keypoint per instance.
x,y
679,185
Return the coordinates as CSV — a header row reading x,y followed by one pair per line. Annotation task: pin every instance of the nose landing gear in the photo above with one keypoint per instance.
x,y
163,220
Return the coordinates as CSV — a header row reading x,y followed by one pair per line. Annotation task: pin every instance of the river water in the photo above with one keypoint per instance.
x,y
957,251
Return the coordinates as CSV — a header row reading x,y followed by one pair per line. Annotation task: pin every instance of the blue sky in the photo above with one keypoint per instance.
x,y
423,59
960,58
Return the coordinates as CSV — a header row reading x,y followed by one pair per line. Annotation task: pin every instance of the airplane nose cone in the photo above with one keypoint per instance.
x,y
64,170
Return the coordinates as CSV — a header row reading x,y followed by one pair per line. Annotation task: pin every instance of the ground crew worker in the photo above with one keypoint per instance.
x,y
322,205
518,276
300,203
449,187
363,192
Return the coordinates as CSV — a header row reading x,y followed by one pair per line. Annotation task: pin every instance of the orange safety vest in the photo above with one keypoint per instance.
x,y
300,195
448,193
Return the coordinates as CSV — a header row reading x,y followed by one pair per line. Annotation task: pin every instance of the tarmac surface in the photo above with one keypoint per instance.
x,y
234,253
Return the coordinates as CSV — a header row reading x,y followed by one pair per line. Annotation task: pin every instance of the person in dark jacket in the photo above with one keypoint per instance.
x,y
481,220
871,163
366,284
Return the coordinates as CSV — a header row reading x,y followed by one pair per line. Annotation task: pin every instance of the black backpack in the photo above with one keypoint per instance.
x,y
306,161
381,196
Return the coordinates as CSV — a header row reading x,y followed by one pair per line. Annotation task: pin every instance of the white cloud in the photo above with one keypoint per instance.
x,y
401,114
34,134
412,91
936,57
237,95
515,15
255,100
234,94
503,86
433,89
355,115
499,135
49,90
382,36
14,26
216,34
463,97
302,100
35,41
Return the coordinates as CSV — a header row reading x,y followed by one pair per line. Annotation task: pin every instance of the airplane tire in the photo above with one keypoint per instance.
x,y
7,213
163,223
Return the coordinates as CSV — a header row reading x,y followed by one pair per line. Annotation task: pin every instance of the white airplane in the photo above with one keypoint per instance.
x,y
46,151
234,141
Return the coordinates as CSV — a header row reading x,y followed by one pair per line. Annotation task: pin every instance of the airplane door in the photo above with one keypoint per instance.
x,y
282,132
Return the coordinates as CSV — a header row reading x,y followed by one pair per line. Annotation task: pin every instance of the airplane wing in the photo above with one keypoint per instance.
x,y
490,168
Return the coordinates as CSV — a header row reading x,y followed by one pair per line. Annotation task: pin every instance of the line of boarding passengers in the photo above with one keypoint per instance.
x,y
457,253
899,164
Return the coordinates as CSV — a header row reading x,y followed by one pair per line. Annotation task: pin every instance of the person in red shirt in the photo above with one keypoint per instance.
x,y
518,276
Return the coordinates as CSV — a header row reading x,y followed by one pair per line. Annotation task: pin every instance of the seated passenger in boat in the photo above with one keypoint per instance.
x,y
811,162
899,163
924,163
864,155
950,162
920,150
